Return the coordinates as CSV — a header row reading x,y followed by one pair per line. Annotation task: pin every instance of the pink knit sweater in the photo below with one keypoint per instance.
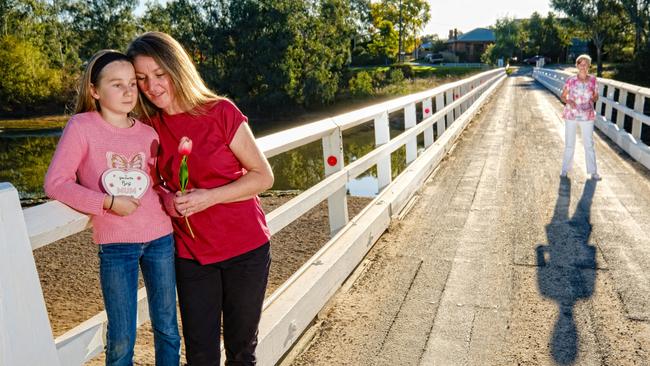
x,y
88,147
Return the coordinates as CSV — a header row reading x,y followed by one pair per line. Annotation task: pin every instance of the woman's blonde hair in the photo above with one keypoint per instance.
x,y
190,90
583,57
85,101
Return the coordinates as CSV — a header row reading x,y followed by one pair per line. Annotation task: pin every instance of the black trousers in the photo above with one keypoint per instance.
x,y
234,288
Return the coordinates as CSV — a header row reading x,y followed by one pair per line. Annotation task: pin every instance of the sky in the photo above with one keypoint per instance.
x,y
467,15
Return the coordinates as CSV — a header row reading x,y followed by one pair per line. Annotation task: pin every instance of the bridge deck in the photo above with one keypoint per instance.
x,y
501,262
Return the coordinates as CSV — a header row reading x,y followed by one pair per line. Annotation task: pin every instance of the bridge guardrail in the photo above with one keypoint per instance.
x,y
25,333
619,111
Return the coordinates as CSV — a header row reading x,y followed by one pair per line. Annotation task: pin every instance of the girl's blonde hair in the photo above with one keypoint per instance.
x,y
190,90
583,57
85,101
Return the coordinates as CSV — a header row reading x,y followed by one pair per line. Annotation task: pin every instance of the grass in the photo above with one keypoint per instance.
x,y
35,123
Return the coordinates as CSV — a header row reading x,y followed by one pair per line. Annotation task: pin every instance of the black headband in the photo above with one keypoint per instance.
x,y
104,60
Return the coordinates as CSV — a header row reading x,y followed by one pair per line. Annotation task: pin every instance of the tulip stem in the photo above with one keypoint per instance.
x,y
187,221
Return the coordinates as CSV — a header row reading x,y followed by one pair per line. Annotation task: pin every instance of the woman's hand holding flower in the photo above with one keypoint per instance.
x,y
193,201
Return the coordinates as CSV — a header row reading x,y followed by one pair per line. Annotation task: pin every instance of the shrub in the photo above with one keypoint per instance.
x,y
361,84
395,76
407,70
378,77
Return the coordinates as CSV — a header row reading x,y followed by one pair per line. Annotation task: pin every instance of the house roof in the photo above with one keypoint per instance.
x,y
476,35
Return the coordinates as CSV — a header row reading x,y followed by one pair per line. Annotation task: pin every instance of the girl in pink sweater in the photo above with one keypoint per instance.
x,y
105,166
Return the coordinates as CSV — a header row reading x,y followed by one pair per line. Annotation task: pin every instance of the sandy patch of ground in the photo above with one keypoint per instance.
x,y
69,269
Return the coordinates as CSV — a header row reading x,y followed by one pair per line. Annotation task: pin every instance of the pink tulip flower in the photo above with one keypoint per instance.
x,y
185,146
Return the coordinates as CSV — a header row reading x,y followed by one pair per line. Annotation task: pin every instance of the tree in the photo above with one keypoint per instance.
x,y
534,33
407,16
508,38
638,12
326,53
384,42
102,24
599,19
26,78
553,42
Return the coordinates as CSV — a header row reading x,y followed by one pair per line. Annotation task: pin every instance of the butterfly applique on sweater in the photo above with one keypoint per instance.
x,y
125,176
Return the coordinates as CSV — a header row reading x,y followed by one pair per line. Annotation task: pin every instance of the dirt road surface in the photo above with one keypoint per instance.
x,y
501,262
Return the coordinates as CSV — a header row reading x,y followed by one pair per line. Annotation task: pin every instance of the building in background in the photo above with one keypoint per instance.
x,y
469,47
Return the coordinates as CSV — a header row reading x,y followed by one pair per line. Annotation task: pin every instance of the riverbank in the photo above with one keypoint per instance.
x,y
69,268
264,124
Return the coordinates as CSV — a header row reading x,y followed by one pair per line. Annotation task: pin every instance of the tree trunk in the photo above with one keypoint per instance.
x,y
598,40
599,68
637,39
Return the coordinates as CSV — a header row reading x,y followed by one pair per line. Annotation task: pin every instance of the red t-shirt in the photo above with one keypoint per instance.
x,y
224,230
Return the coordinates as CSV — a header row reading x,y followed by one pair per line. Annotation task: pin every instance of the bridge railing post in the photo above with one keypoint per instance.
x,y
449,98
337,203
427,111
622,101
600,102
441,123
457,110
25,332
382,136
608,108
410,122
639,101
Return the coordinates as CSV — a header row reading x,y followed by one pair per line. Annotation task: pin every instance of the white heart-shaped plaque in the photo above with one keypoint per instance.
x,y
130,182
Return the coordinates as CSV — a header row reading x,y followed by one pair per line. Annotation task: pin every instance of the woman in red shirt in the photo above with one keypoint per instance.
x,y
222,265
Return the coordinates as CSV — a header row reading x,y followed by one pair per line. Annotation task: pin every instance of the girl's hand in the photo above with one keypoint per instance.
x,y
193,201
125,205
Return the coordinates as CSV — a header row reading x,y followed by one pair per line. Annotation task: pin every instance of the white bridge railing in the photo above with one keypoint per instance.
x,y
25,334
619,111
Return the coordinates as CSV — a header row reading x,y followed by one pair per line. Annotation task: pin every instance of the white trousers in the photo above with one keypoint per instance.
x,y
587,130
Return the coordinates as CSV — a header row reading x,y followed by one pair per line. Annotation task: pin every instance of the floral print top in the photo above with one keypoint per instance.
x,y
580,92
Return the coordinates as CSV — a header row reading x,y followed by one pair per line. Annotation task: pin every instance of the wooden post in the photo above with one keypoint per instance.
x,y
337,203
457,110
440,103
25,332
450,115
427,111
410,122
639,100
599,102
608,108
382,136
620,115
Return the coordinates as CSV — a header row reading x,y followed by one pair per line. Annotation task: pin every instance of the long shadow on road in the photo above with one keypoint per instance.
x,y
566,267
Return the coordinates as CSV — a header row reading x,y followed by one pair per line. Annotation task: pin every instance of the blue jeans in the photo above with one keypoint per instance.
x,y
118,271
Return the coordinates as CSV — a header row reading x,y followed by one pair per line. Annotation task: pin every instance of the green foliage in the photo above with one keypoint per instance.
x,y
395,76
361,84
24,162
405,69
100,24
378,76
26,77
600,20
326,52
414,15
488,56
385,42
508,38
